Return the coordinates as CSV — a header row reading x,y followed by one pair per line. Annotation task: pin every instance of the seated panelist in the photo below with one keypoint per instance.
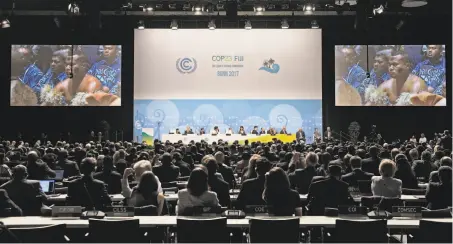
x,y
202,132
188,131
255,130
215,130
229,131
242,131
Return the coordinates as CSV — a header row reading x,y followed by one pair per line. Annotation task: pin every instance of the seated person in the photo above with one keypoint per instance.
x,y
281,199
215,130
229,131
167,172
255,130
109,176
27,194
139,168
196,194
177,132
385,185
357,173
87,191
444,161
7,207
263,131
188,131
438,195
146,193
216,184
252,189
242,131
283,131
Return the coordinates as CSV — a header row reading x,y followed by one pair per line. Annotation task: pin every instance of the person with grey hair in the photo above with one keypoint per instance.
x,y
385,185
138,169
37,169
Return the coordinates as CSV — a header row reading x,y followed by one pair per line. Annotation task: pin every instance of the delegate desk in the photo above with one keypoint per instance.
x,y
174,138
170,221
62,198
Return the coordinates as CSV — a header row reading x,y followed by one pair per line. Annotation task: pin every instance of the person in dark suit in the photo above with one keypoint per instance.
x,y
110,177
224,170
371,164
251,192
357,173
7,207
439,195
301,179
283,131
27,194
300,135
87,191
434,176
184,168
166,172
331,192
217,185
37,169
422,168
255,130
14,159
70,167
188,131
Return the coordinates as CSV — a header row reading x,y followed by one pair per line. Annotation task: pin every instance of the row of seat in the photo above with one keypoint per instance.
x,y
214,230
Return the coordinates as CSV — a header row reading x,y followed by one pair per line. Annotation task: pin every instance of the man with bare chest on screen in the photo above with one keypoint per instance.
x,y
402,80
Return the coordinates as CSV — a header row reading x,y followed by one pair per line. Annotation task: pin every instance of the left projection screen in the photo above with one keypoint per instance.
x,y
226,79
65,75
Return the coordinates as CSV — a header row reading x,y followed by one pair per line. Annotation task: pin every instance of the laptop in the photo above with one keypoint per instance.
x,y
59,174
47,186
365,187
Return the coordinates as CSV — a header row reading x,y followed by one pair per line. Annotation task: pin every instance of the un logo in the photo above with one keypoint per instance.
x,y
186,65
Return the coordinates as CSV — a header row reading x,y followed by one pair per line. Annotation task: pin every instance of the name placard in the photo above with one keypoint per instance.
x,y
120,211
66,211
407,211
352,210
256,209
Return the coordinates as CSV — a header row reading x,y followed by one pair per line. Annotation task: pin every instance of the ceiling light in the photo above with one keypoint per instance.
x,y
285,24
211,25
141,25
342,2
314,24
197,8
248,25
413,3
258,8
378,10
174,24
309,8
73,8
5,23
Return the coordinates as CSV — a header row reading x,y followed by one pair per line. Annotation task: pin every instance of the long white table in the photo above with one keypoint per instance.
x,y
153,221
174,197
174,138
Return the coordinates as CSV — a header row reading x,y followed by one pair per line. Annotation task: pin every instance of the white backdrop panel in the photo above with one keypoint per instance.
x,y
298,54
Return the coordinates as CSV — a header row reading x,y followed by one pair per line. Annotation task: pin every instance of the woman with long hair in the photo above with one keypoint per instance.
x,y
249,171
283,201
297,162
405,173
196,194
147,192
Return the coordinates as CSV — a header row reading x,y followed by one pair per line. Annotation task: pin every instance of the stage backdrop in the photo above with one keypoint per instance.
x,y
226,78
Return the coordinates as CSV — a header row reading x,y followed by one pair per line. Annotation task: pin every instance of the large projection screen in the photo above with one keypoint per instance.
x,y
226,78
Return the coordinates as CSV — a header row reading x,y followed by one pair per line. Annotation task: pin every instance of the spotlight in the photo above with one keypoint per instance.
x,y
174,24
141,25
211,25
378,10
259,8
197,8
285,24
147,8
314,24
73,8
309,8
5,23
248,25
172,6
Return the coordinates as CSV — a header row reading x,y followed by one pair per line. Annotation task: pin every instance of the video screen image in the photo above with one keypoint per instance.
x,y
65,75
390,75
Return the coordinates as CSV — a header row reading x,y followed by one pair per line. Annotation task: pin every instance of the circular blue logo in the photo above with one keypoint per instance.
x,y
186,65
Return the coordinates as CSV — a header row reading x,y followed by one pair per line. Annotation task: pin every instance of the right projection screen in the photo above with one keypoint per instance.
x,y
390,75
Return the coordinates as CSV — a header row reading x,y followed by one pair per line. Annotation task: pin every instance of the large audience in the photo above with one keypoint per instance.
x,y
271,173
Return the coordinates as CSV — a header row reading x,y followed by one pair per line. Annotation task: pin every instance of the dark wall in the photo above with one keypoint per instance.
x,y
79,121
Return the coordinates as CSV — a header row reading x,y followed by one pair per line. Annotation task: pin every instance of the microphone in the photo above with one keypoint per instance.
x,y
377,214
91,214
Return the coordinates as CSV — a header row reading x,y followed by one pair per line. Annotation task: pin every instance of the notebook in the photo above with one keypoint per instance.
x,y
47,186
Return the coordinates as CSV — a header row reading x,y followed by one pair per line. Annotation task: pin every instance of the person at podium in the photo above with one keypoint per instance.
x,y
188,131
255,130
283,131
242,131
